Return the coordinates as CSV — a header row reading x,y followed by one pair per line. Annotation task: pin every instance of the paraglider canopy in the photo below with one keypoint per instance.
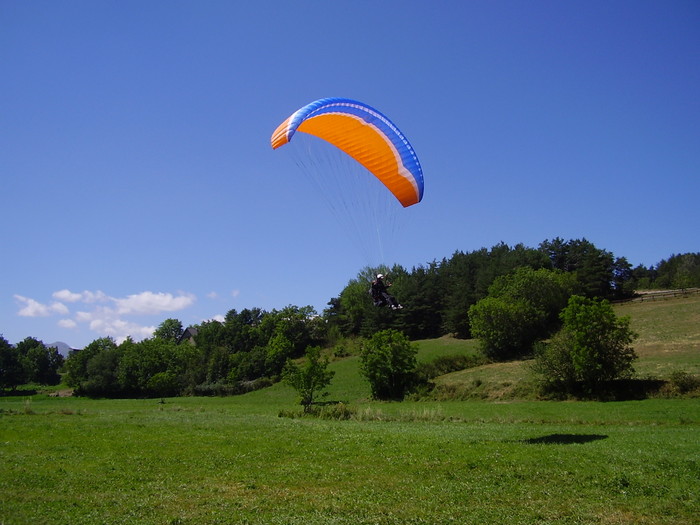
x,y
367,136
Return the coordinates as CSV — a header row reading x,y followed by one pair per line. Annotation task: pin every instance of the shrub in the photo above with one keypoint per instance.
x,y
446,364
231,389
591,349
331,411
310,379
388,362
554,365
521,308
163,384
683,383
506,327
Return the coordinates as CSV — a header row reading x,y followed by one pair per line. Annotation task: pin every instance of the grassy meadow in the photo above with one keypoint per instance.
x,y
493,457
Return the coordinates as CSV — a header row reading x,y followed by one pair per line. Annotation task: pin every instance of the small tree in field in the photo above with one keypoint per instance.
x,y
389,364
592,347
309,379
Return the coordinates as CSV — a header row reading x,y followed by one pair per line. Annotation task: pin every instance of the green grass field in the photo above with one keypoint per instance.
x,y
669,335
499,460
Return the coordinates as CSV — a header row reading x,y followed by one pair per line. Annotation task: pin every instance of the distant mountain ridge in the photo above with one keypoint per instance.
x,y
63,348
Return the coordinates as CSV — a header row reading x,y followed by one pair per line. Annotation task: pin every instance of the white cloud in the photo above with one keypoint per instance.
x,y
235,293
83,317
212,295
83,297
59,308
153,303
67,323
33,308
108,316
107,321
67,296
120,329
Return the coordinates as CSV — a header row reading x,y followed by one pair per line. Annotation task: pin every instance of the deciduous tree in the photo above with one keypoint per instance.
x,y
593,347
310,378
388,361
522,307
13,370
506,327
42,363
77,362
169,330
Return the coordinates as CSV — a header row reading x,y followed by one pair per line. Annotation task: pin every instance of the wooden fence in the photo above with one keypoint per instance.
x,y
661,295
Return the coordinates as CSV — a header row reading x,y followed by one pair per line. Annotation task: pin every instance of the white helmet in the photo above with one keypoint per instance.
x,y
380,276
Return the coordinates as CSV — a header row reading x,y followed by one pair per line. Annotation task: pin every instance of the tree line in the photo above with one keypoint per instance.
x,y
248,350
29,361
508,297
437,296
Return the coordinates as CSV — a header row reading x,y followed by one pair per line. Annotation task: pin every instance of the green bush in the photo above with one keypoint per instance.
x,y
163,384
683,383
506,327
592,349
388,362
310,379
231,389
331,411
521,308
446,364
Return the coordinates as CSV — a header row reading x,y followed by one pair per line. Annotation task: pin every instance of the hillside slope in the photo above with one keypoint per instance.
x,y
669,335
669,341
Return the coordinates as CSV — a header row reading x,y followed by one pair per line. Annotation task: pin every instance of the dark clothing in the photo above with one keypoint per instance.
x,y
381,296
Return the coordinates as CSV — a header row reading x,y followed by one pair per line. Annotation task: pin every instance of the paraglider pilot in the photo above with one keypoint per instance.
x,y
381,296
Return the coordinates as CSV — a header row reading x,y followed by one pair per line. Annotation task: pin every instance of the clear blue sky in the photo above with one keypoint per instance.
x,y
139,183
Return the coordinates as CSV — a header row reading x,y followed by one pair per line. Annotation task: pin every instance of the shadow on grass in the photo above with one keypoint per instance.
x,y
563,439
18,392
